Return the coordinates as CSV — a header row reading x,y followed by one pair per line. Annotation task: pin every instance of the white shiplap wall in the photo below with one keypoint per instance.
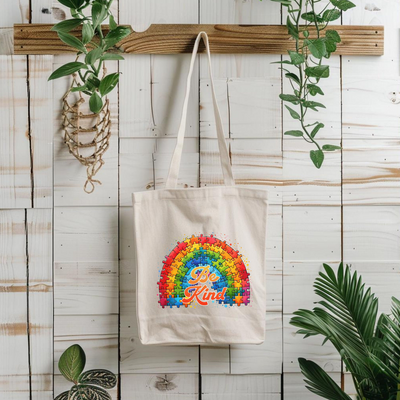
x,y
59,244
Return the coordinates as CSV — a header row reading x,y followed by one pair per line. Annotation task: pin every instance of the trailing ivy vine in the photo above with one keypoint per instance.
x,y
95,45
305,25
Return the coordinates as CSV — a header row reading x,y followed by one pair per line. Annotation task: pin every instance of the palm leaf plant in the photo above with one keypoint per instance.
x,y
369,346
89,385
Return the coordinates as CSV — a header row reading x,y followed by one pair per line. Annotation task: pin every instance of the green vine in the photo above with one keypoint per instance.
x,y
305,25
94,44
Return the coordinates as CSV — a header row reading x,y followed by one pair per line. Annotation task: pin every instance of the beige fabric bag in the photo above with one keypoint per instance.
x,y
200,254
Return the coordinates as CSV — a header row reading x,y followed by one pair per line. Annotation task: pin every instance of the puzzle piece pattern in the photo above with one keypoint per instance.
x,y
196,251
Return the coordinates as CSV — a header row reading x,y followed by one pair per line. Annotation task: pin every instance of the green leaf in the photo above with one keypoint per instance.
x,y
320,71
282,62
87,33
330,46
71,40
293,77
67,25
116,36
317,157
316,47
312,104
293,113
295,57
63,396
95,104
306,34
292,29
290,97
330,147
311,17
100,377
72,362
93,55
99,14
319,382
87,392
316,129
72,3
294,133
67,69
108,83
113,24
285,3
78,88
111,56
93,81
333,35
331,15
314,89
343,5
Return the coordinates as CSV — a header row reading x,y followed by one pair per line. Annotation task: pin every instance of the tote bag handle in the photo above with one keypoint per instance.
x,y
172,178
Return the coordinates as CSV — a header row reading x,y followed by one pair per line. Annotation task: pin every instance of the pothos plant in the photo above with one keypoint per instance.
x,y
88,385
95,47
305,68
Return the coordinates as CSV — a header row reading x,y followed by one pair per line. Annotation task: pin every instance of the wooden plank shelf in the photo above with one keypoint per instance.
x,y
224,39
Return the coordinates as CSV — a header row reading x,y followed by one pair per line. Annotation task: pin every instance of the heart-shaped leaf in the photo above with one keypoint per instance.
x,y
314,89
317,157
116,36
295,57
320,71
316,47
67,69
331,15
72,362
100,377
343,5
95,104
333,35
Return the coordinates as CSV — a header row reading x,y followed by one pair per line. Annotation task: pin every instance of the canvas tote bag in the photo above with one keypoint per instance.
x,y
200,254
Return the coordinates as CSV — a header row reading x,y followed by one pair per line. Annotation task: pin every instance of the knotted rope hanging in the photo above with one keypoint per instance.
x,y
86,134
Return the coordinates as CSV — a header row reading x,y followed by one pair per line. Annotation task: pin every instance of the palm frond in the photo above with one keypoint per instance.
x,y
348,320
319,382
348,300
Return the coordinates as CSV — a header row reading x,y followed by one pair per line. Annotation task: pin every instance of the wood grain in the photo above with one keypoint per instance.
x,y
15,151
224,39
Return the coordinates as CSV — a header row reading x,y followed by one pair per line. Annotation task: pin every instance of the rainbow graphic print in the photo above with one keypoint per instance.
x,y
203,269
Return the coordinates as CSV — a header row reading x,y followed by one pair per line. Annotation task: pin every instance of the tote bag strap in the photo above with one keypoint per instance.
x,y
172,178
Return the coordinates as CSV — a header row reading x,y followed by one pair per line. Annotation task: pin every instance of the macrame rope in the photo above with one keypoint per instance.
x,y
75,135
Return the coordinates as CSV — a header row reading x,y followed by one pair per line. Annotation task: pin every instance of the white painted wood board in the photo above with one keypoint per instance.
x,y
352,200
